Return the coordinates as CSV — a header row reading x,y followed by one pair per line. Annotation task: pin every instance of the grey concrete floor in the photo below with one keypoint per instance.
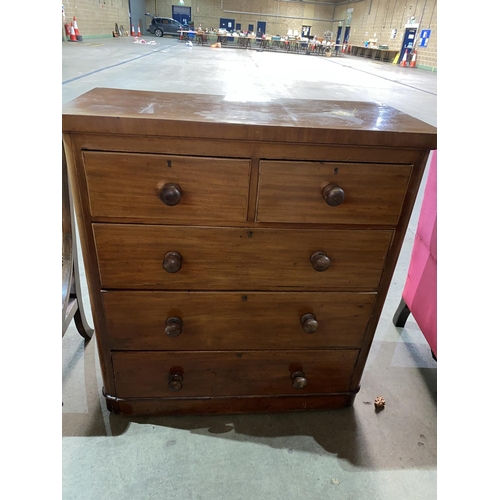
x,y
353,453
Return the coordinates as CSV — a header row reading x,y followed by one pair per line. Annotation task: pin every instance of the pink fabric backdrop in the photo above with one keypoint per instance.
x,y
420,291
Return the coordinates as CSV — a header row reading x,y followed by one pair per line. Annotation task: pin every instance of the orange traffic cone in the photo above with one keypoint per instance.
x,y
72,36
77,33
133,30
138,31
413,62
403,61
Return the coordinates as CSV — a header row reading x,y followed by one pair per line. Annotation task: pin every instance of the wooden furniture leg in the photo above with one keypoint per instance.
x,y
72,304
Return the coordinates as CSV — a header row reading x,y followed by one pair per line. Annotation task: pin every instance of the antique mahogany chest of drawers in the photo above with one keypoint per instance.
x,y
238,254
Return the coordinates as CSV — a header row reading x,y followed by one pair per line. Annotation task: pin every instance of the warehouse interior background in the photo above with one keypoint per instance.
x,y
381,22
467,426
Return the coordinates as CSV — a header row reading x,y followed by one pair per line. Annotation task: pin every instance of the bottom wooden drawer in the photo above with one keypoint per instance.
x,y
147,374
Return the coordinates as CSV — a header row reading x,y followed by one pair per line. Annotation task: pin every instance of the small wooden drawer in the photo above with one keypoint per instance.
x,y
145,374
178,258
331,193
231,320
166,188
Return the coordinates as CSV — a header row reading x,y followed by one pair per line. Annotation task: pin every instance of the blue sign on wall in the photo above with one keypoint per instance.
x,y
424,38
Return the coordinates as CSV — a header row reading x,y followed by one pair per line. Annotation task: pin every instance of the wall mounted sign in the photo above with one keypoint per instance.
x,y
424,38
410,23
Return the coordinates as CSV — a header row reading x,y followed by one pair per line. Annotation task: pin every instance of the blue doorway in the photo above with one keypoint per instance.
x,y
409,43
337,40
181,14
346,34
261,28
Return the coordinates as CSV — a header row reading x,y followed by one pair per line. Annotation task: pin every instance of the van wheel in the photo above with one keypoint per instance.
x,y
158,32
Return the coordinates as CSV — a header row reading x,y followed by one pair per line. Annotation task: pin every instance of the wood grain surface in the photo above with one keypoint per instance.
x,y
307,121
227,404
131,257
292,192
227,373
232,320
128,185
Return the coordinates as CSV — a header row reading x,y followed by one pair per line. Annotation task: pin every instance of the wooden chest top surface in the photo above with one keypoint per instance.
x,y
134,112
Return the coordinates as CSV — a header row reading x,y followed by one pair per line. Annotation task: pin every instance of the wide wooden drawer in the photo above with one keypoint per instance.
x,y
232,320
126,185
143,374
294,191
133,256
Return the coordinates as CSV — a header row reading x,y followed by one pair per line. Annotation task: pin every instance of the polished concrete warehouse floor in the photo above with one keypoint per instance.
x,y
353,453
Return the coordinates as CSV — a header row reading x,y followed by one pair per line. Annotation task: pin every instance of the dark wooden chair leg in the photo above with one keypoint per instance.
x,y
80,320
401,315
81,325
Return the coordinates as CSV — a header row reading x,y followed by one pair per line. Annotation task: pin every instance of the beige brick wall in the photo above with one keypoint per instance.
x,y
278,16
376,21
97,18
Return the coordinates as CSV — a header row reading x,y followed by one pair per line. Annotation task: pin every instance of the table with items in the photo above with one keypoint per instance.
x,y
293,44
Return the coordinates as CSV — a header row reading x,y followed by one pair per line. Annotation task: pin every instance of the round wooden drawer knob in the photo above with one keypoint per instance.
x,y
320,261
172,262
299,380
175,382
173,326
170,194
333,195
309,323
